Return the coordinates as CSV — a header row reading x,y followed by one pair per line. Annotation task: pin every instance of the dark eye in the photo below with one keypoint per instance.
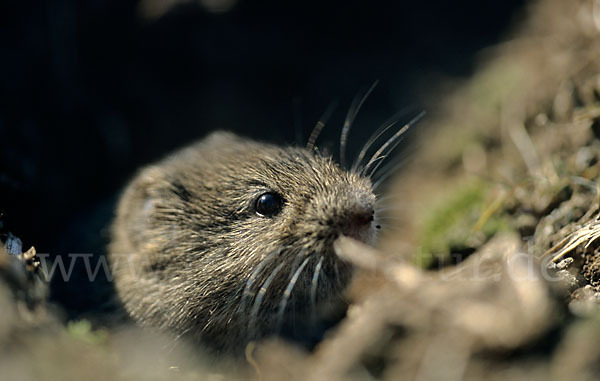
x,y
268,204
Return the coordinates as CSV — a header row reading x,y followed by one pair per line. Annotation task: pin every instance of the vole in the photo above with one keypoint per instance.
x,y
230,240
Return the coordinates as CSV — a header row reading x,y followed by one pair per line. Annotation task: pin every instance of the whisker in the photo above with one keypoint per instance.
x,y
313,289
388,211
248,294
391,122
172,344
388,219
388,201
384,156
337,274
314,135
389,208
350,116
391,140
389,170
259,298
388,198
288,292
401,159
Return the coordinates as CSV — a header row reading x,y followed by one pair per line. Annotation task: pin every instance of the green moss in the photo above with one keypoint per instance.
x,y
82,330
459,224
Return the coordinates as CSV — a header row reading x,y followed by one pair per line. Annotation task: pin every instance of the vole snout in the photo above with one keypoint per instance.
x,y
358,224
361,218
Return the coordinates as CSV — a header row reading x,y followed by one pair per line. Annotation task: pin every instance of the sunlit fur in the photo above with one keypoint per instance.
x,y
200,260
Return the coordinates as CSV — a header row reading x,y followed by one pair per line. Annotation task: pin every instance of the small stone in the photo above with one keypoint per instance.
x,y
13,245
564,263
585,301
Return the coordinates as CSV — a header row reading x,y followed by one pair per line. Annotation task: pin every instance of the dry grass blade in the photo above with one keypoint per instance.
x,y
586,235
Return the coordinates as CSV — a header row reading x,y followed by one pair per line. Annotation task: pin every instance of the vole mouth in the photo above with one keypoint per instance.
x,y
365,235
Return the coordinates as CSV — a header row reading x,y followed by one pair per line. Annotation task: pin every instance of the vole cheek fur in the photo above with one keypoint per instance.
x,y
192,255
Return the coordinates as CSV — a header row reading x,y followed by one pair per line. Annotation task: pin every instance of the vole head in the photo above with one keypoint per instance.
x,y
229,229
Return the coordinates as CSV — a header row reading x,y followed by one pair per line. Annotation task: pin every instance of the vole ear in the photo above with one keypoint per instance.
x,y
135,229
139,201
221,137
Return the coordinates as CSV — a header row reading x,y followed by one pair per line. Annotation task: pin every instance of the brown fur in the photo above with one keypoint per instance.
x,y
193,239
